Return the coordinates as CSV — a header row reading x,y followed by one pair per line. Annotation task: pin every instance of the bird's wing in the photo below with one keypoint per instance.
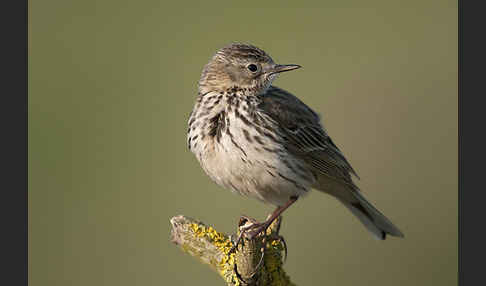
x,y
306,136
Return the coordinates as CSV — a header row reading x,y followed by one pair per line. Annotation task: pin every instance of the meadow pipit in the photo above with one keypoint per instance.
x,y
261,141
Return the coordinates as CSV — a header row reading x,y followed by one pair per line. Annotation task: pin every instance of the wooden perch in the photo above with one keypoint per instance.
x,y
237,268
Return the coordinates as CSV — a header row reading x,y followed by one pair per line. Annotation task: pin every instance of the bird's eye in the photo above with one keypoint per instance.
x,y
252,67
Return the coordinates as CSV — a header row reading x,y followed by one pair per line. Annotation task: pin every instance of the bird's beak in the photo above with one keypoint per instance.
x,y
282,68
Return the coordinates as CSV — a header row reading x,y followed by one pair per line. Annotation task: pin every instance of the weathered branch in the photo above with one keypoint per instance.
x,y
237,268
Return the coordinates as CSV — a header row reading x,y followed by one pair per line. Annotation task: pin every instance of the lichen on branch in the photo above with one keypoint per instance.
x,y
213,248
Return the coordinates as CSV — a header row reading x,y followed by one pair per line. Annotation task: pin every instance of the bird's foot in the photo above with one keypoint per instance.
x,y
250,228
253,230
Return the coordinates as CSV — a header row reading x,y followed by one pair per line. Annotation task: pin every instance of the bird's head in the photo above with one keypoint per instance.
x,y
241,65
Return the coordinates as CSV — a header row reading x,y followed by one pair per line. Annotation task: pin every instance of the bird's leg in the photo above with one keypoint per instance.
x,y
243,229
255,228
262,227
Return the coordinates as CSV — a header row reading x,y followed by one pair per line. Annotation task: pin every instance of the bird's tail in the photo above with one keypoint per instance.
x,y
371,218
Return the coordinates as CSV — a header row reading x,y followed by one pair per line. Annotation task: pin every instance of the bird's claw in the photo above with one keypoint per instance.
x,y
251,228
246,224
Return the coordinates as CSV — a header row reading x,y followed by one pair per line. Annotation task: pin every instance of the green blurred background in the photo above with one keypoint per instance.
x,y
111,85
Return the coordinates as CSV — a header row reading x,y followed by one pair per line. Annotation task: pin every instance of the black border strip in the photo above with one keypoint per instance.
x,y
472,233
13,118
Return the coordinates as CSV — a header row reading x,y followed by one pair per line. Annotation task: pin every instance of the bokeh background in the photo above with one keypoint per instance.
x,y
111,85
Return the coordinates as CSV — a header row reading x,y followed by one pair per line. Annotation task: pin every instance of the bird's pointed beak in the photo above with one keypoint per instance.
x,y
283,68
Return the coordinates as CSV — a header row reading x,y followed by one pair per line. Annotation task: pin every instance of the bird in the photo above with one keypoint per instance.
x,y
261,141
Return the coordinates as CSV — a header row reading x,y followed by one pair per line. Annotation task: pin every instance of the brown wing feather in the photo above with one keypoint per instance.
x,y
306,136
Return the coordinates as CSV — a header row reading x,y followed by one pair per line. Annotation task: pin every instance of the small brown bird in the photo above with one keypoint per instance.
x,y
261,141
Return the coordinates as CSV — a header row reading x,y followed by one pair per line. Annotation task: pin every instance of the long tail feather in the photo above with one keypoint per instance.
x,y
371,218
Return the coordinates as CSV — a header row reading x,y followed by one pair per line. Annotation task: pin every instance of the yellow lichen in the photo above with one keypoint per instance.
x,y
223,244
272,271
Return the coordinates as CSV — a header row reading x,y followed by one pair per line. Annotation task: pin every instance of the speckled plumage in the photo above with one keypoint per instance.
x,y
261,141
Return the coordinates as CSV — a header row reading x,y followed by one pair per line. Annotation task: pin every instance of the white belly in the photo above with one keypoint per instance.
x,y
251,164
